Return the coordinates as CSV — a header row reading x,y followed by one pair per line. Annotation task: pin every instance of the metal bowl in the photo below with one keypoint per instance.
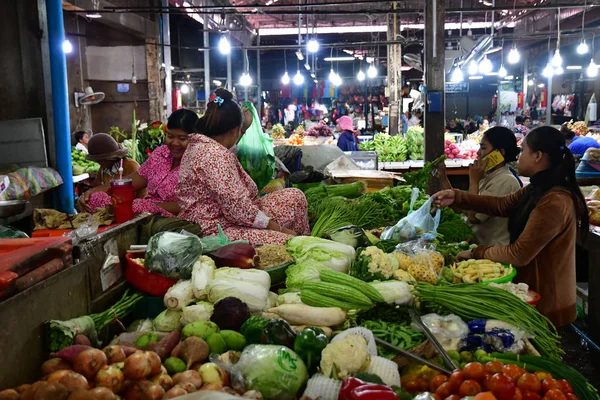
x,y
10,208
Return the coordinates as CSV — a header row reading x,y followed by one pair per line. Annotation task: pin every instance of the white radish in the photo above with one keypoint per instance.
x,y
301,314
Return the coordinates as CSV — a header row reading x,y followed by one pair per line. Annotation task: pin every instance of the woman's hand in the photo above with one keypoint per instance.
x,y
477,171
444,198
465,255
288,231
83,202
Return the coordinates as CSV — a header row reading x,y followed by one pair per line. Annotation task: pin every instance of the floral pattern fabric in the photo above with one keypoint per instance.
x,y
214,190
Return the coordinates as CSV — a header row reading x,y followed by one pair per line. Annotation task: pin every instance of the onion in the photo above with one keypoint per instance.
x,y
57,375
190,376
153,392
137,366
164,380
103,393
51,391
22,388
82,395
74,382
155,362
176,391
53,365
114,354
110,377
134,392
212,386
9,394
89,362
188,387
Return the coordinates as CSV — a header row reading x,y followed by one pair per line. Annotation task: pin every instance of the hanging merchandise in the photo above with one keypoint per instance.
x,y
521,100
256,151
543,98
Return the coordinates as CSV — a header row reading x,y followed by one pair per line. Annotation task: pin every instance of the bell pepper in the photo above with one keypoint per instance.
x,y
348,385
355,389
278,331
252,329
309,344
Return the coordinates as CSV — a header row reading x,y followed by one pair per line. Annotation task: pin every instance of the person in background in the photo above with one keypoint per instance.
x,y
497,181
347,140
158,175
415,120
520,129
577,144
214,190
527,122
105,150
268,127
453,127
545,219
484,125
82,138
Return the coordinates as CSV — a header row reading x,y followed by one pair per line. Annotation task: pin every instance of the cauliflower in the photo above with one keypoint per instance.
x,y
373,264
346,357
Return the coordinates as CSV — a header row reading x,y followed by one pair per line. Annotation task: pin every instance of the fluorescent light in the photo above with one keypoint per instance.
x,y
372,71
224,45
312,46
513,55
307,66
583,48
298,78
556,59
93,15
509,77
493,74
299,55
457,75
217,82
592,69
185,89
476,77
541,85
502,71
312,75
473,68
485,65
360,76
330,59
574,67
245,79
285,79
67,47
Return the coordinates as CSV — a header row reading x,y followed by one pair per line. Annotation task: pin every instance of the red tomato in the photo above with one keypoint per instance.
x,y
423,385
493,367
502,387
469,388
531,396
549,384
555,394
444,390
453,397
435,396
565,386
485,396
513,371
571,396
411,386
436,381
456,378
518,395
475,371
529,383
486,382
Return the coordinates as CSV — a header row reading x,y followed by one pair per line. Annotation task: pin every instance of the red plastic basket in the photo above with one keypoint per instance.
x,y
142,279
536,298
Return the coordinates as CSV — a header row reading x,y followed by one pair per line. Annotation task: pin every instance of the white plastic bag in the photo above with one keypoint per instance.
x,y
448,329
417,224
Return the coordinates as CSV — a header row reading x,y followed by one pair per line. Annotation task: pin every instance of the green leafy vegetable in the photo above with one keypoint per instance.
x,y
172,254
420,179
455,231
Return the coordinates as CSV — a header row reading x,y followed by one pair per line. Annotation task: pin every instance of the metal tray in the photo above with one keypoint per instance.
x,y
10,208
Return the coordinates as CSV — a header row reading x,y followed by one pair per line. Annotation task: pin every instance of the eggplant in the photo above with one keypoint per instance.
x,y
240,255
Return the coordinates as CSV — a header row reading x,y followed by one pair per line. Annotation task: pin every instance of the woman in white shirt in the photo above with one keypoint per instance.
x,y
82,138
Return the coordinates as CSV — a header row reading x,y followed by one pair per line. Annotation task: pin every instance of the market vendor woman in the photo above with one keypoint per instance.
x,y
544,220
214,189
158,175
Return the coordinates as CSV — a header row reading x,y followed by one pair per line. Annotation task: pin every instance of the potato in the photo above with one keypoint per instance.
x,y
53,365
9,394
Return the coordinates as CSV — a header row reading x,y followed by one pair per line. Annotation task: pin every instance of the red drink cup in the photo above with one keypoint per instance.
x,y
122,199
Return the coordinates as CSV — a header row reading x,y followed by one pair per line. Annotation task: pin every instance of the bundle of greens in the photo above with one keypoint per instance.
x,y
455,231
316,195
338,212
420,179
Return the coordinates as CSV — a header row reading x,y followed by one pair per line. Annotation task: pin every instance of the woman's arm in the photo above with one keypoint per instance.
x,y
171,207
139,182
538,232
490,205
476,174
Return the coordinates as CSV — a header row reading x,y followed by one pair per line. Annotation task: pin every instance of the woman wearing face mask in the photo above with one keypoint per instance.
x,y
544,220
158,175
496,181
214,189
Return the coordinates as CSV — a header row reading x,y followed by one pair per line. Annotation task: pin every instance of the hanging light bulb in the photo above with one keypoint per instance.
x,y
285,79
245,79
312,46
457,75
298,78
372,71
557,59
332,75
558,71
592,69
583,48
548,72
485,66
67,46
360,76
513,55
337,81
473,68
185,89
224,45
502,71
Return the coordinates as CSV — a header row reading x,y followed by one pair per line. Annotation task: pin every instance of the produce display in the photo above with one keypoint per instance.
x,y
580,127
278,132
389,148
81,165
479,271
321,129
296,140
415,140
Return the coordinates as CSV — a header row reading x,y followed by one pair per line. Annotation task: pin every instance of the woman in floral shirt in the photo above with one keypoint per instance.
x,y
214,189
159,174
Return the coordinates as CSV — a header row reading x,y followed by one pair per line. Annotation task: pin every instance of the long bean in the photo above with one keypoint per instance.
x,y
470,301
400,335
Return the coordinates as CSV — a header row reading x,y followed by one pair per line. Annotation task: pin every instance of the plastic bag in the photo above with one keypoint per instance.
x,y
255,151
86,230
172,254
214,242
426,264
417,224
448,330
6,232
111,270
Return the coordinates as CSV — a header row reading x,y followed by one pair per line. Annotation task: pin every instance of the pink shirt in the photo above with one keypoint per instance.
x,y
215,190
162,180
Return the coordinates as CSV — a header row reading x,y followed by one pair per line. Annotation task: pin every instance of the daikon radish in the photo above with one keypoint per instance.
x,y
301,314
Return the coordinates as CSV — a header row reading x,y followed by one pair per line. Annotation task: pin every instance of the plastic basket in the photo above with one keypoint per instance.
x,y
506,279
536,298
143,280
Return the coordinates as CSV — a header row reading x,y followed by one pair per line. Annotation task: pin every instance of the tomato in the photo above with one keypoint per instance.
x,y
411,386
565,386
436,382
571,396
531,396
542,375
435,396
453,397
485,396
513,371
456,378
486,382
444,390
502,387
554,394
423,385
549,384
518,395
529,383
475,371
469,388
493,367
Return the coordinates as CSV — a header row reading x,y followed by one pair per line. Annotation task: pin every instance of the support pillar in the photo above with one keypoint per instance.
x,y
166,32
229,77
394,74
434,113
258,80
154,86
206,58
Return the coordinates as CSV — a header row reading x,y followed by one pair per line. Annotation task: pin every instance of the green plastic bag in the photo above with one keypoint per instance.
x,y
255,151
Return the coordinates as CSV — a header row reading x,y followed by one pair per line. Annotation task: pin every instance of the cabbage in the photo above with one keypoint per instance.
x,y
249,285
288,298
333,255
198,312
297,274
275,371
172,254
395,292
167,321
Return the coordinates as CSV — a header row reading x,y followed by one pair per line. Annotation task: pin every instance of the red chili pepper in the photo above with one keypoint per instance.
x,y
348,385
148,151
373,392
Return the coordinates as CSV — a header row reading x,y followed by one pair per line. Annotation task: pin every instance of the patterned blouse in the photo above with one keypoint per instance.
x,y
162,180
215,190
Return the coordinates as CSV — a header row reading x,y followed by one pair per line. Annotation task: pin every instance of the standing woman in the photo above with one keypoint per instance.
x,y
544,221
347,140
215,190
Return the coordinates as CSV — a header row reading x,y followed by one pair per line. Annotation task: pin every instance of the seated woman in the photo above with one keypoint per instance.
x,y
214,189
158,175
